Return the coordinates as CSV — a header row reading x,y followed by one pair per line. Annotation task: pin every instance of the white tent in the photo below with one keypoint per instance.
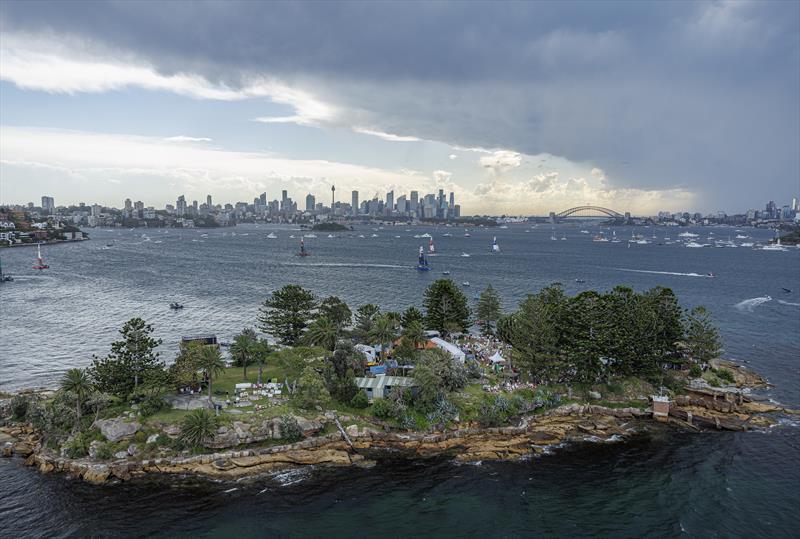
x,y
454,350
497,358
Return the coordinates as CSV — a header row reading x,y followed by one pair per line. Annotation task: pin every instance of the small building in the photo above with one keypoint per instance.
x,y
208,339
451,348
381,385
661,408
368,351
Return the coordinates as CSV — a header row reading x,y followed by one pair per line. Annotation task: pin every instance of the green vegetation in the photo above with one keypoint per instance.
x,y
702,338
286,313
329,227
198,426
446,308
488,310
77,383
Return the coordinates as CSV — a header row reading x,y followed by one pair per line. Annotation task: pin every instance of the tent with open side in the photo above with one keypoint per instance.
x,y
497,359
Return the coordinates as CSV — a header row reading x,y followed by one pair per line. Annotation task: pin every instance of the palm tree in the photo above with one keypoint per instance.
x,y
322,332
414,334
210,362
243,348
260,352
197,426
77,382
384,331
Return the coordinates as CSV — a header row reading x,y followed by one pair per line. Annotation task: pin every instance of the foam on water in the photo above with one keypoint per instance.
x,y
665,272
749,305
784,302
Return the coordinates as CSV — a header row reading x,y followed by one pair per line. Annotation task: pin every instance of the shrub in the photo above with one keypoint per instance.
x,y
727,375
382,409
19,407
79,445
152,405
359,400
290,430
105,452
198,426
713,381
695,371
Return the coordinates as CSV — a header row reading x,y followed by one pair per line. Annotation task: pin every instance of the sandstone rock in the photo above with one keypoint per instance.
x,y
242,429
133,450
116,429
121,455
97,474
153,438
595,395
173,431
22,449
352,431
308,426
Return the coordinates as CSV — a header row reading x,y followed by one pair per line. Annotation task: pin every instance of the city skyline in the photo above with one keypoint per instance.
x,y
563,107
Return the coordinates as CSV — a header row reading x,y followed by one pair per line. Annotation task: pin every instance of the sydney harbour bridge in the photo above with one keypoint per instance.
x,y
587,211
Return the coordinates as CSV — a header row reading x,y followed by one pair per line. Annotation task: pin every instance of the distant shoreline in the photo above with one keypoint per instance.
x,y
34,244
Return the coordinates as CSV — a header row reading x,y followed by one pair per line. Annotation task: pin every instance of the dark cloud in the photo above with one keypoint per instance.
x,y
696,95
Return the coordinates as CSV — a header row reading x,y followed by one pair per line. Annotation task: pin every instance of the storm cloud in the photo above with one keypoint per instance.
x,y
701,97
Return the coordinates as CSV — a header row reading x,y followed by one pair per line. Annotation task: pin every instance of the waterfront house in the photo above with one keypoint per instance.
x,y
451,348
380,386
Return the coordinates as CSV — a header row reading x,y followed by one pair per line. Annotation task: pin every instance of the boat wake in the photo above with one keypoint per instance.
x,y
748,305
793,304
345,265
666,273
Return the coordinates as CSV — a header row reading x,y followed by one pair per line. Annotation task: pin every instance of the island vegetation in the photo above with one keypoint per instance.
x,y
612,349
329,227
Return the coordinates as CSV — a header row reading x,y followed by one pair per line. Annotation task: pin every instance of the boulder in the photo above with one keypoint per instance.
x,y
352,431
22,449
242,430
153,438
594,395
121,455
173,431
133,450
308,426
116,429
97,474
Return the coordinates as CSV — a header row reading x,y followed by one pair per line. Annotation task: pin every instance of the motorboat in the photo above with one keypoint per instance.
x,y
175,306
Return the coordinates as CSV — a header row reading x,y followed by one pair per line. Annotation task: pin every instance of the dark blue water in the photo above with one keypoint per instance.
x,y
662,484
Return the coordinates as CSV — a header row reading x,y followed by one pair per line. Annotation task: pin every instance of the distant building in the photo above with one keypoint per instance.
x,y
354,202
310,202
48,204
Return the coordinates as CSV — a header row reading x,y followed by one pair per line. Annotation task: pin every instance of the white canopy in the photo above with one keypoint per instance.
x,y
497,358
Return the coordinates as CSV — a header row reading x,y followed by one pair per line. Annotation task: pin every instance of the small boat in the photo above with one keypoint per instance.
x,y
331,236
614,238
709,274
599,237
694,245
467,235
109,245
464,255
175,306
584,231
39,265
447,235
422,262
580,281
303,251
563,237
445,272
272,236
465,283
374,236
553,236
495,247
310,236
504,227
787,290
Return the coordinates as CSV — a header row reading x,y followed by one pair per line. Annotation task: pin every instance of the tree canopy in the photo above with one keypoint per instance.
x,y
446,307
286,313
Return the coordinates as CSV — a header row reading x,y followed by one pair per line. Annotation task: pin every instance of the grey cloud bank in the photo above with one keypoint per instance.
x,y
697,96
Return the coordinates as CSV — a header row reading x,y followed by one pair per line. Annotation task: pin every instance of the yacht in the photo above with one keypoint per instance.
x,y
464,255
694,244
774,246
272,236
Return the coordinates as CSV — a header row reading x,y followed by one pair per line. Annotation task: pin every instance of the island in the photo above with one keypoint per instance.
x,y
344,388
330,227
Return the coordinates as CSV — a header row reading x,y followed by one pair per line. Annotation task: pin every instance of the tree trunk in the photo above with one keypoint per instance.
x,y
78,413
260,369
211,402
244,362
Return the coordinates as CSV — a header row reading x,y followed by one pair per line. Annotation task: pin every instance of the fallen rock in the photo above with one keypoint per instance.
x,y
594,395
22,449
116,429
352,431
97,474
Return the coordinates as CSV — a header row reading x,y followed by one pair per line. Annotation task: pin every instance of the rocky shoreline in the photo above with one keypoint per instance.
x,y
352,446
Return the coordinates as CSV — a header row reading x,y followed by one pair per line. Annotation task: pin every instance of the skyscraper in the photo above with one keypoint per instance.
x,y
310,202
452,199
389,202
208,201
128,205
48,204
354,202
180,205
413,205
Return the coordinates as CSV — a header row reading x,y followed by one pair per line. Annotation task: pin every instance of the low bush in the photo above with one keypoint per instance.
x,y
104,452
19,407
726,375
695,371
152,405
290,430
359,400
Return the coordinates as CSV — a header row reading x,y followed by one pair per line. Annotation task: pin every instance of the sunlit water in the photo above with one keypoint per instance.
x,y
662,484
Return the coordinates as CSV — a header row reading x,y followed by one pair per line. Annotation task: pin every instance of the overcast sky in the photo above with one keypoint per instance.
x,y
517,107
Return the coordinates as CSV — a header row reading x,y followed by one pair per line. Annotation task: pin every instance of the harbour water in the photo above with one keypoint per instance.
x,y
661,484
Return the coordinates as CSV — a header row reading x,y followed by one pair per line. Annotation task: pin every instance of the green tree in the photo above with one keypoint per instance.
x,y
322,332
261,352
311,390
488,310
78,383
197,427
337,311
132,359
384,331
446,307
414,334
702,336
243,349
209,360
428,380
340,371
365,315
411,315
286,313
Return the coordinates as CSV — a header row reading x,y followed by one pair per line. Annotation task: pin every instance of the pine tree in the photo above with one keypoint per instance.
x,y
286,313
336,310
702,337
446,307
488,310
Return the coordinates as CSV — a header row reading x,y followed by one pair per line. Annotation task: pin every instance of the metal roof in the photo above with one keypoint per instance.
x,y
382,381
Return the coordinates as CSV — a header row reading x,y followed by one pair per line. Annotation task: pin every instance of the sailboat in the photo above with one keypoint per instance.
x,y
553,235
422,262
614,238
39,265
431,248
495,247
303,251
